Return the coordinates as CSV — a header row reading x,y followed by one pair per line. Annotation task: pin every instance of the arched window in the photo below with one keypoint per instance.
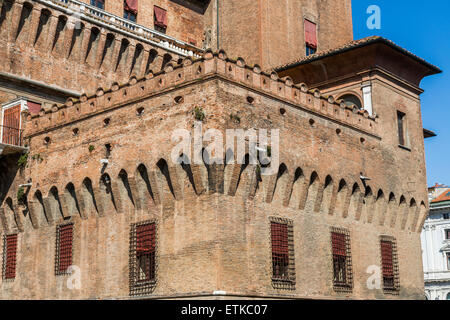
x,y
351,100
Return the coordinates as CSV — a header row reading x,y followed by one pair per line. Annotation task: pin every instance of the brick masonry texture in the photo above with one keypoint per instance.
x,y
213,222
213,228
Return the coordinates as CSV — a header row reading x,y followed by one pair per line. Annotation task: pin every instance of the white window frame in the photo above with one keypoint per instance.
x,y
11,104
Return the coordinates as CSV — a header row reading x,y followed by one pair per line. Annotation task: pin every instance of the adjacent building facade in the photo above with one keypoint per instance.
x,y
436,245
93,205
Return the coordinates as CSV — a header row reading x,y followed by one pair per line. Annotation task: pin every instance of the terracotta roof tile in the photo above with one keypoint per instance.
x,y
445,196
352,45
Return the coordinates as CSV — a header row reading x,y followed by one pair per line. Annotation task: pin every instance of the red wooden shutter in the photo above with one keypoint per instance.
x,y
33,107
160,17
310,34
146,239
131,6
387,259
11,125
10,256
280,247
339,244
65,247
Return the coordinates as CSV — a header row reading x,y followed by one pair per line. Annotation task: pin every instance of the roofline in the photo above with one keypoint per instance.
x,y
428,133
360,45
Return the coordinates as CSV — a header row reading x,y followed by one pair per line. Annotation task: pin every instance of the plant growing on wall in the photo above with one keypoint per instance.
x,y
22,162
21,198
199,114
235,118
91,148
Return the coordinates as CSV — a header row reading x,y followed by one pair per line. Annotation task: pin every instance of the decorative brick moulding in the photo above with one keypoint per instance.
x,y
212,65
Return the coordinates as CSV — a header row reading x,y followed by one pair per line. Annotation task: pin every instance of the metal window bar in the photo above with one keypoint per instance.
x,y
280,251
339,258
143,264
342,262
9,256
64,241
389,263
145,252
11,136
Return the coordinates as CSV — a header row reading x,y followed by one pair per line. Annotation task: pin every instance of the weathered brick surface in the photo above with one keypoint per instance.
x,y
271,33
219,240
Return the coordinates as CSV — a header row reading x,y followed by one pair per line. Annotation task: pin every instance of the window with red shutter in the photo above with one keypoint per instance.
x,y
11,133
342,267
280,251
145,251
310,37
389,264
9,256
160,19
130,10
64,238
282,245
142,258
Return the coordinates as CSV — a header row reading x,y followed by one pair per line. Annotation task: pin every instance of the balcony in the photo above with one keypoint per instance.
x,y
11,141
11,132
80,10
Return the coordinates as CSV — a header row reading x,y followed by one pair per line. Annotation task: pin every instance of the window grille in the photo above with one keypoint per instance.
x,y
342,262
389,264
142,258
283,259
64,238
9,256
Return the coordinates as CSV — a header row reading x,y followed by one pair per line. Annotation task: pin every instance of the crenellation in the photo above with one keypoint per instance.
x,y
175,76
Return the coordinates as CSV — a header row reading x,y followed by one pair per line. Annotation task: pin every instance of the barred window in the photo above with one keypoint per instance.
x,y
64,237
9,256
283,266
142,258
389,264
280,251
342,263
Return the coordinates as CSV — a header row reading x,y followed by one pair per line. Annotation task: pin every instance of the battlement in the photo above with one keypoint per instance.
x,y
212,65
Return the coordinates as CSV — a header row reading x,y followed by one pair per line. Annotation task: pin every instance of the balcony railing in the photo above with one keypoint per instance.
x,y
11,136
78,9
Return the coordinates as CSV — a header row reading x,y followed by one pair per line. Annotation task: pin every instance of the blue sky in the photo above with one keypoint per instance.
x,y
422,27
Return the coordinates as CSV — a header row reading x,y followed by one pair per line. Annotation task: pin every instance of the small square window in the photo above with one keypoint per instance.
x,y
310,50
98,3
446,216
129,15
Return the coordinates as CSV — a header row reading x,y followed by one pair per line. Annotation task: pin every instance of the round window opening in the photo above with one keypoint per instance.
x,y
352,100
